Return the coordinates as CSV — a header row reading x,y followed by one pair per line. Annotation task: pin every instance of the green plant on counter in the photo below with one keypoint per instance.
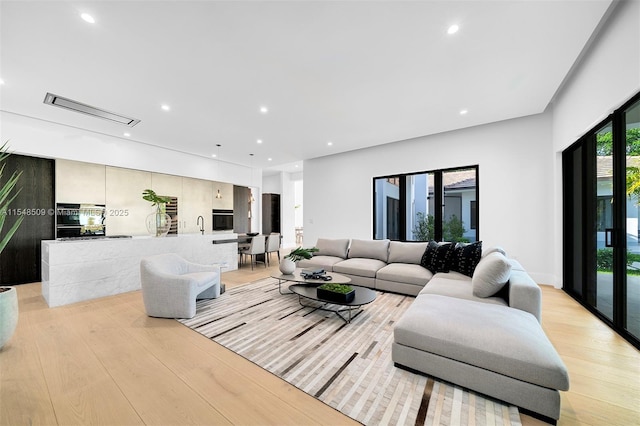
x,y
301,253
7,195
336,288
155,199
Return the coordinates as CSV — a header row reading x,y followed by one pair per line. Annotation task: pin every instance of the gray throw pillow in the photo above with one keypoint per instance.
x,y
369,249
491,274
328,247
400,252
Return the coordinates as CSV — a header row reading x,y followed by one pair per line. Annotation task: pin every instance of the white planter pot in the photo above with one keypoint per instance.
x,y
8,314
287,266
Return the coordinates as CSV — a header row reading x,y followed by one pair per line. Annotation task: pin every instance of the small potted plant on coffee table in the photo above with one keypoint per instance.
x,y
341,293
288,264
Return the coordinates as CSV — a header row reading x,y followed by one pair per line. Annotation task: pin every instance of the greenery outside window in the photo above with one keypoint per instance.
x,y
432,205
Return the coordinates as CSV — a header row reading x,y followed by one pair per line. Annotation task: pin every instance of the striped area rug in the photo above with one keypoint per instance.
x,y
347,366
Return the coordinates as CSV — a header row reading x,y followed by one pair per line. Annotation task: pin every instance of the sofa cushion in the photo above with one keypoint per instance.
x,y
324,262
491,274
504,340
437,257
455,284
369,249
515,265
405,273
359,266
400,252
493,249
336,247
465,258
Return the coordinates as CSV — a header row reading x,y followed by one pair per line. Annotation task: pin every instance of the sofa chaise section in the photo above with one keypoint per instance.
x,y
490,348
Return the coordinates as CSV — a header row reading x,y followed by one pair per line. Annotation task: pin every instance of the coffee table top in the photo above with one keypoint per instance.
x,y
296,277
362,297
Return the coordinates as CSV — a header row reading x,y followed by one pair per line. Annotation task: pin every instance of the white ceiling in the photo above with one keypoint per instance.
x,y
355,73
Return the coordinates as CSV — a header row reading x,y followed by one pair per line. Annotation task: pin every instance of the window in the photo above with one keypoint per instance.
x,y
405,206
472,214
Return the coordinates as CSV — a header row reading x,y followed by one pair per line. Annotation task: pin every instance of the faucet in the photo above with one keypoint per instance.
x,y
202,225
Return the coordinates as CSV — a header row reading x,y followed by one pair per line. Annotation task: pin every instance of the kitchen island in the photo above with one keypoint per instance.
x,y
74,270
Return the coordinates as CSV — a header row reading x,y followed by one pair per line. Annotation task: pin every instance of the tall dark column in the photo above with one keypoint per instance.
x,y
20,262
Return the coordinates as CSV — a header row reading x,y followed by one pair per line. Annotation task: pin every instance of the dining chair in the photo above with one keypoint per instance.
x,y
256,248
273,245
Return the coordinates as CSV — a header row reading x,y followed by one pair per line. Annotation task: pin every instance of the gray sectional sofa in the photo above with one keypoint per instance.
x,y
480,330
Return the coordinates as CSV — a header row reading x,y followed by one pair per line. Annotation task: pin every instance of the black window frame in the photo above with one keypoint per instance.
x,y
438,197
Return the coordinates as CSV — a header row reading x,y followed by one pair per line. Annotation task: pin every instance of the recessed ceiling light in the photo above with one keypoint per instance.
x,y
88,18
214,155
269,159
165,107
259,141
453,29
463,111
330,143
1,82
264,109
127,134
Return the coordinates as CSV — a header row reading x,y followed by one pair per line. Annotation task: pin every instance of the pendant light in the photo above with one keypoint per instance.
x,y
218,195
251,199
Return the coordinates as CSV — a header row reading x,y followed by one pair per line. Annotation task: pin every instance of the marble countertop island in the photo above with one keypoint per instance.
x,y
74,270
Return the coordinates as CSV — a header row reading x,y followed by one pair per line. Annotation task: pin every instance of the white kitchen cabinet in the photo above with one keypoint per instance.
x,y
126,210
197,200
80,183
167,185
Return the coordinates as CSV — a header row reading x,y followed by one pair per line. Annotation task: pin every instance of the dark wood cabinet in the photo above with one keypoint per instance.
x,y
241,209
20,262
270,213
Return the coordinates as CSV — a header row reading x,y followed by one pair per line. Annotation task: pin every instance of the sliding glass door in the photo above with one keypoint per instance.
x,y
601,295
601,181
631,291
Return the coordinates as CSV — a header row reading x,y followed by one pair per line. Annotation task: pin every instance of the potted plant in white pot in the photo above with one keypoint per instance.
x,y
159,222
288,264
8,295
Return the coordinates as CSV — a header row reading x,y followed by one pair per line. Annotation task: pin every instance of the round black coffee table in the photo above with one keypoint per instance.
x,y
362,297
297,278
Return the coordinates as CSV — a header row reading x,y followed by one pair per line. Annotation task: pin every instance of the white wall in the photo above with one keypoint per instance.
x,y
608,75
515,183
45,139
520,182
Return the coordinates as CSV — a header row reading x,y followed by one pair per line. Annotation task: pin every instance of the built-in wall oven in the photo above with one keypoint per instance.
x,y
75,220
222,220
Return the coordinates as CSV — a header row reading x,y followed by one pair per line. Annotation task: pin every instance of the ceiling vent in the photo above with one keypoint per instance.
x,y
76,106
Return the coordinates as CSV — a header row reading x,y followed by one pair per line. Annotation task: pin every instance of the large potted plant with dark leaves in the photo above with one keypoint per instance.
x,y
8,295
159,222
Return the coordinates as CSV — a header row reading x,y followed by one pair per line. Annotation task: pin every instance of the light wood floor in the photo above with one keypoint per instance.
x,y
106,362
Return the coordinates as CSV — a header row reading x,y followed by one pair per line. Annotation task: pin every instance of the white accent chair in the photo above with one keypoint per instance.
x,y
273,245
171,285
